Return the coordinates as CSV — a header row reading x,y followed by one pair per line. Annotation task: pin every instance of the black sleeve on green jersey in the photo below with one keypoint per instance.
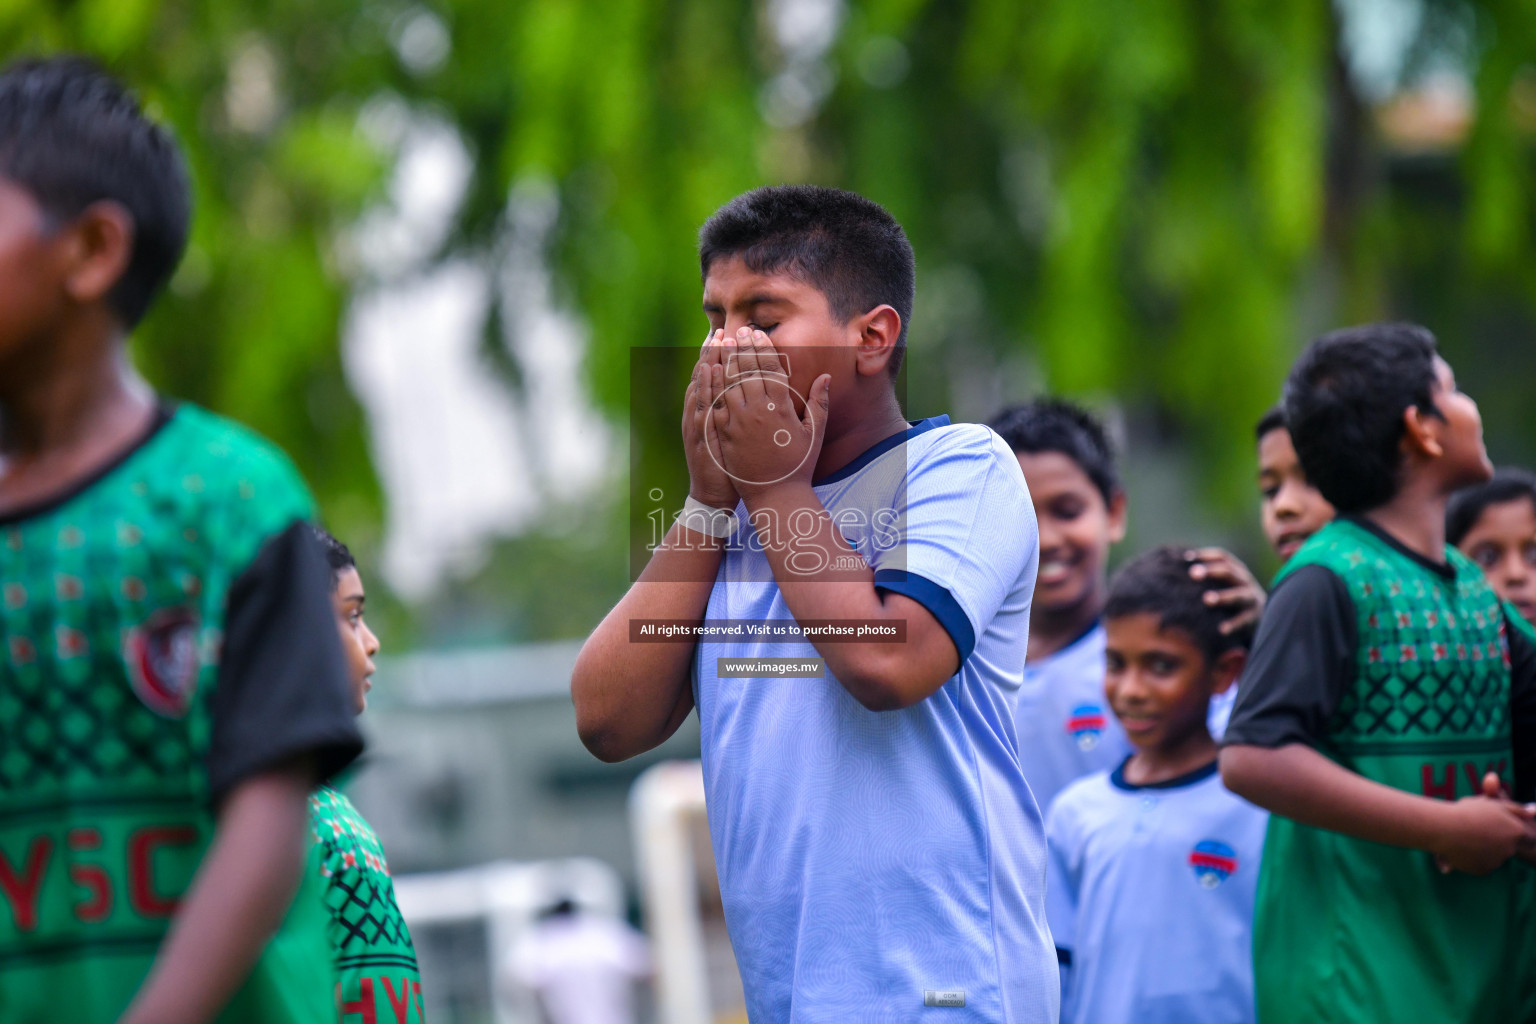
x,y
282,688
1522,708
1302,660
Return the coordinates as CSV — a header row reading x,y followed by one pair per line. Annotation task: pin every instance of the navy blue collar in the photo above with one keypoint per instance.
x,y
1097,622
881,447
1117,777
1084,635
1065,649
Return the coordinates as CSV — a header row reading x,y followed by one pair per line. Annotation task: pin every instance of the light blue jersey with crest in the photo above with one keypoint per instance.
x,y
1150,899
888,866
1065,727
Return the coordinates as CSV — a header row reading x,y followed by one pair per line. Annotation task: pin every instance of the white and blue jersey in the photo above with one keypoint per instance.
x,y
1151,893
1220,711
1065,727
888,866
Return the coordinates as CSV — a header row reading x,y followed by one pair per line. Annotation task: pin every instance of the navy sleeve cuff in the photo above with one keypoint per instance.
x,y
940,602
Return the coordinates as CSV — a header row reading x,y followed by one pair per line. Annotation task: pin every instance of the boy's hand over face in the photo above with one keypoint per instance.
x,y
1230,584
707,480
763,441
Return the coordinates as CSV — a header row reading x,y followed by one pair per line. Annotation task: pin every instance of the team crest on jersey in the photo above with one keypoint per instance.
x,y
1213,862
161,653
1086,724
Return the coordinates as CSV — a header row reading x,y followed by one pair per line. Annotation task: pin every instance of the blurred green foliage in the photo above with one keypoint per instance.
x,y
264,98
1154,203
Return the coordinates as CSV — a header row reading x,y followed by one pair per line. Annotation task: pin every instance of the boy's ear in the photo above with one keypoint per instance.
x,y
1421,433
100,249
1228,666
879,330
1117,517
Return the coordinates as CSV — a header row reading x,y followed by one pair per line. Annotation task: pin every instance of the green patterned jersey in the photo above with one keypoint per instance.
x,y
1348,930
146,651
376,972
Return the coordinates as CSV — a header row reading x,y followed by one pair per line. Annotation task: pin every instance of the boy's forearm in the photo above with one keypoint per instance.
x,y
629,696
822,577
238,898
1297,782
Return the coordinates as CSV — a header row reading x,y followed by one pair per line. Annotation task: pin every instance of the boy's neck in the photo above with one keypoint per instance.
x,y
1053,631
68,405
1151,765
1416,518
861,429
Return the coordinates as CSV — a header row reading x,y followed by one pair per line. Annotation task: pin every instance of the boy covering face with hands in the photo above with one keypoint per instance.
x,y
876,848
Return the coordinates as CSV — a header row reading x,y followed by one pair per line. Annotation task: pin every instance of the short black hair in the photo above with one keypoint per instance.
x,y
1056,425
337,555
1467,505
846,246
72,135
1273,419
1344,404
1158,582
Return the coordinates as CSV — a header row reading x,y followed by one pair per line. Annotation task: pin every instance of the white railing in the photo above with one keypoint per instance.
x,y
695,972
505,897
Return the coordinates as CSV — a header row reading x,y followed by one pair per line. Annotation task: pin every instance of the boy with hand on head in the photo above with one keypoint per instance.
x,y
171,686
1290,509
1063,730
1494,524
878,853
377,977
1061,722
1154,864
1384,703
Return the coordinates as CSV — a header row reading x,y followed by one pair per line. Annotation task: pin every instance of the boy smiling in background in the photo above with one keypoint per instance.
x,y
1064,730
1154,865
1291,509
